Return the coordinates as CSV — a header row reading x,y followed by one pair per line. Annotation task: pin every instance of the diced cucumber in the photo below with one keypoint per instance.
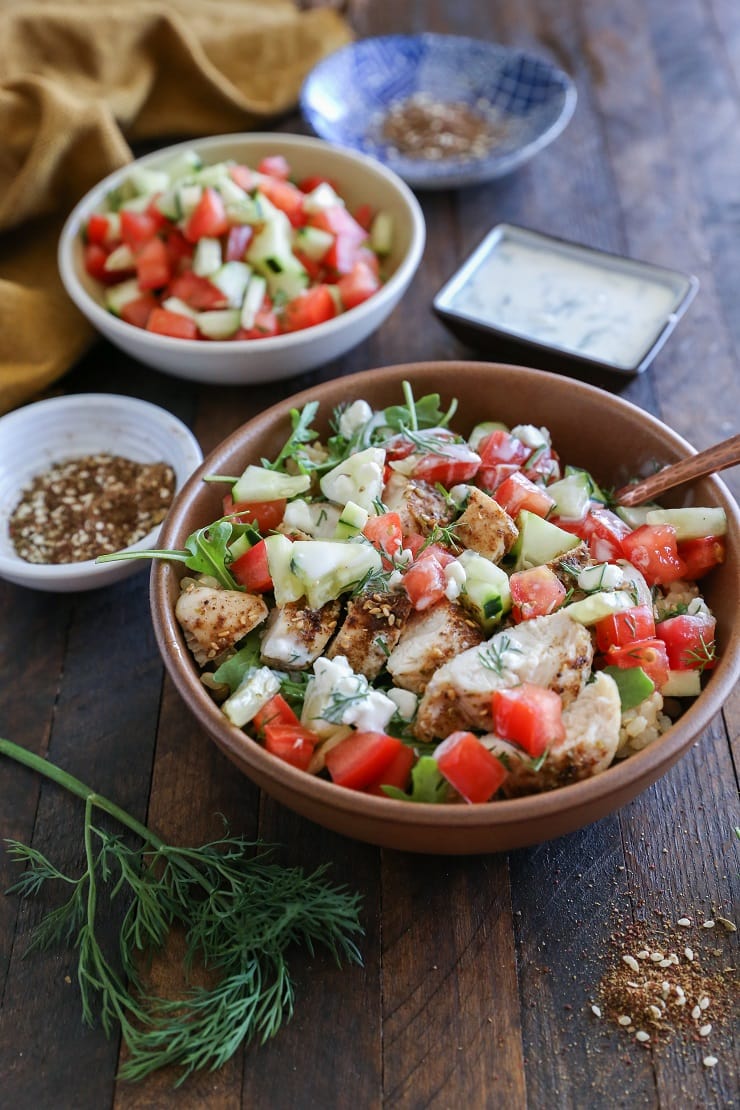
x,y
358,478
207,257
539,541
286,585
240,546
174,304
136,204
122,258
254,691
321,198
635,515
531,435
602,576
484,429
259,484
214,174
486,591
232,279
116,197
352,520
682,684
146,181
220,323
594,608
183,165
188,198
253,300
231,193
633,685
116,296
316,518
691,523
270,252
597,494
381,233
168,203
329,567
288,284
313,242
572,496
243,211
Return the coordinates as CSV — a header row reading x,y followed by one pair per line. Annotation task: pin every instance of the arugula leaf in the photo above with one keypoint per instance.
x,y
302,433
424,413
427,784
232,671
206,552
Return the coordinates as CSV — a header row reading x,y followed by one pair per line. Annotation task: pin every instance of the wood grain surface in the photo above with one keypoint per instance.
x,y
479,974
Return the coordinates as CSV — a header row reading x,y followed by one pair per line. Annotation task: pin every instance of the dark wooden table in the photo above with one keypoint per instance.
x,y
479,973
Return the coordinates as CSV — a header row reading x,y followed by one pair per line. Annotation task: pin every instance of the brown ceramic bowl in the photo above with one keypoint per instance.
x,y
590,428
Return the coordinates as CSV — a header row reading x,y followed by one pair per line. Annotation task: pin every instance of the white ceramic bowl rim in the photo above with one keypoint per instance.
x,y
287,142
188,451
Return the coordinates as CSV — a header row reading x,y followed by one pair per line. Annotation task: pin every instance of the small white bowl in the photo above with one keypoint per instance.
x,y
360,179
36,436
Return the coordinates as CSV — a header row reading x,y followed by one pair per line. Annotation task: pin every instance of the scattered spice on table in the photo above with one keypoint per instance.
x,y
423,127
80,508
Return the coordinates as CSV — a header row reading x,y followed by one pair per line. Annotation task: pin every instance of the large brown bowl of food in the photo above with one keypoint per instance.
x,y
412,612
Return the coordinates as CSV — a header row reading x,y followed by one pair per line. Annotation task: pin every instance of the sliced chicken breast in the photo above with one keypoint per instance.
x,y
430,638
419,505
371,629
485,527
296,635
214,620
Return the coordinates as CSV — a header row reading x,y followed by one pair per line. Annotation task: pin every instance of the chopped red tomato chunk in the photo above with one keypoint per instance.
x,y
397,773
470,768
293,744
689,641
535,593
173,324
650,654
653,550
308,309
208,218
251,569
386,535
518,492
425,582
623,628
275,712
701,555
265,514
361,759
529,715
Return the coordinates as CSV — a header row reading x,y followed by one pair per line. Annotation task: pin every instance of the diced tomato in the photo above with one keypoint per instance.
x,y
275,165
266,324
163,322
491,477
312,307
94,257
517,493
251,569
454,463
370,258
308,184
178,249
689,641
98,229
338,221
529,715
470,768
364,214
701,555
208,218
198,292
153,265
499,450
623,628
397,773
649,654
275,712
286,197
543,464
243,177
341,256
425,582
535,593
386,535
653,550
137,228
602,530
293,744
265,514
361,759
313,267
358,285
138,311
414,541
237,242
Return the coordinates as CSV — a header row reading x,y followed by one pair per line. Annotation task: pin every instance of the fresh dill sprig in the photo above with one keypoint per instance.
x,y
702,657
444,534
340,702
241,913
492,654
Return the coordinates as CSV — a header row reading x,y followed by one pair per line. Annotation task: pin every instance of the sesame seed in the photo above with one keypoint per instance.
x,y
665,963
644,955
655,1011
632,963
705,1030
696,1012
710,1061
666,986
704,1002
684,922
624,1020
656,957
631,984
596,1010
688,953
681,1000
642,1036
708,924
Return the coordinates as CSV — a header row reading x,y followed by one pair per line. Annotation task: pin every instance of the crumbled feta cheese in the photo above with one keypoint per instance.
x,y
358,478
460,493
346,697
455,575
603,576
353,418
531,436
405,702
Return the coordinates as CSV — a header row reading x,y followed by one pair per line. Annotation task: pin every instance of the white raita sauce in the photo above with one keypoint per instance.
x,y
571,303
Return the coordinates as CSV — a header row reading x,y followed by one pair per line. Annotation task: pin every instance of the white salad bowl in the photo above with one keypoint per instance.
x,y
590,428
38,435
359,178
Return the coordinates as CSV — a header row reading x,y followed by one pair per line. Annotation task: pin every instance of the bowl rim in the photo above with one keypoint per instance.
x,y
449,174
107,322
645,765
155,416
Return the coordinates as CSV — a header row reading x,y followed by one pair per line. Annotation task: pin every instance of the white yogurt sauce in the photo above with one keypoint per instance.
x,y
575,304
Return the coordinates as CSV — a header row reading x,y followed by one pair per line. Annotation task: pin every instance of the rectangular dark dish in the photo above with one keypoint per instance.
x,y
528,297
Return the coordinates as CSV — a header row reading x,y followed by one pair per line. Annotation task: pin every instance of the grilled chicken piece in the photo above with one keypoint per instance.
x,y
296,635
419,505
431,637
371,630
215,620
577,559
485,527
553,651
590,744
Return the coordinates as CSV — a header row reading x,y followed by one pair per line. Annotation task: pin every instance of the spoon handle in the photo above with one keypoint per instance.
x,y
719,457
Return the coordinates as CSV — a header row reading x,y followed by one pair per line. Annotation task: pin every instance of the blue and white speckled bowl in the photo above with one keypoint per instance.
x,y
346,96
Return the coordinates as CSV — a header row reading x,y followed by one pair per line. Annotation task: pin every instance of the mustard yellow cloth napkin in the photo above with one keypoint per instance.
x,y
77,80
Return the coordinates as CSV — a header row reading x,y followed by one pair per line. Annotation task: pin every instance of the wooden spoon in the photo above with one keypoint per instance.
x,y
719,457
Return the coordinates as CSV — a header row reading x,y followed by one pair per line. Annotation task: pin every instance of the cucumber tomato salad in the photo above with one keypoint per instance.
x,y
226,252
435,617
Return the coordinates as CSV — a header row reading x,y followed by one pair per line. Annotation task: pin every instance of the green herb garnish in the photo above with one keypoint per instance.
x,y
428,786
206,552
492,654
302,433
